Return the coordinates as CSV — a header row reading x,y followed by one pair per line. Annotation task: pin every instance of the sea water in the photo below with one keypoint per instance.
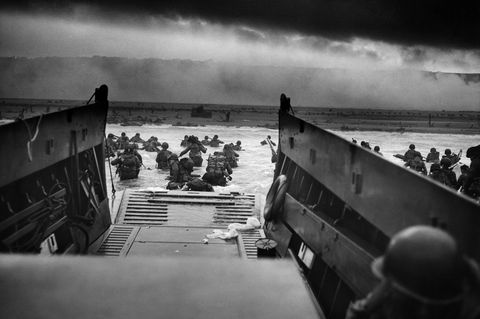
x,y
254,173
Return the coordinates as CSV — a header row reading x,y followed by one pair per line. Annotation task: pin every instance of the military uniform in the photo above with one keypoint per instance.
x,y
215,142
128,166
110,146
418,165
433,156
162,157
206,141
218,170
199,185
195,154
122,141
230,155
411,154
179,172
238,146
137,139
472,181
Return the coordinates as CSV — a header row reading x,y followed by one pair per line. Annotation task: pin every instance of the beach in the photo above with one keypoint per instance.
x,y
342,119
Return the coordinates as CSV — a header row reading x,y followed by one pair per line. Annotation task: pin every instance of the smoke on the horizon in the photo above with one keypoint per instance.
x,y
189,59
184,81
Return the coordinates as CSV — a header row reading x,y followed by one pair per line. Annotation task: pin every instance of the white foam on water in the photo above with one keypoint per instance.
x,y
255,171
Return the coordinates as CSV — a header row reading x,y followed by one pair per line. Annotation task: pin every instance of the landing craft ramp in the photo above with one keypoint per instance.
x,y
169,272
175,223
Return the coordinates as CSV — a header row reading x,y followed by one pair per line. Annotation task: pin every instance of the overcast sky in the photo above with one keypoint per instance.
x,y
255,49
375,34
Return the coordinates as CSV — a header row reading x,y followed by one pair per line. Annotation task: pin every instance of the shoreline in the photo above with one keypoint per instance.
x,y
197,115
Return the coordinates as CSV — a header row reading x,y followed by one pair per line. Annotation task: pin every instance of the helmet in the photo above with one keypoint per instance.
x,y
446,162
164,145
173,157
239,142
433,150
412,146
376,148
448,151
215,136
435,167
473,152
123,134
425,264
206,137
110,135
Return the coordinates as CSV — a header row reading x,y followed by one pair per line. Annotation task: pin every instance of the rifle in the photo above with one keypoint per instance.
x,y
459,156
274,154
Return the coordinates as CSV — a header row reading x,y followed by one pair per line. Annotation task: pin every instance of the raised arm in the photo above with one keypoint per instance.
x,y
184,151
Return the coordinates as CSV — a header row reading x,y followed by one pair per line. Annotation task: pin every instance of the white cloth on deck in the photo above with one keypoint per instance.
x,y
233,229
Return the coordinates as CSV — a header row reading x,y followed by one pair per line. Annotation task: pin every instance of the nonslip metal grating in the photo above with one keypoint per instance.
x,y
247,239
115,241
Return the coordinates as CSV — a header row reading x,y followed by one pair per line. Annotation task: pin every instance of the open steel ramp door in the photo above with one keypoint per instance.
x,y
92,287
342,205
175,223
53,196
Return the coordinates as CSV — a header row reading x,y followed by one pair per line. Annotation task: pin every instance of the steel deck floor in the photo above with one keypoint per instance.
x,y
175,223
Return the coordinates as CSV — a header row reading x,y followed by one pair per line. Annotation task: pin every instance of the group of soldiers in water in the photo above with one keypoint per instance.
x,y
366,145
219,168
441,168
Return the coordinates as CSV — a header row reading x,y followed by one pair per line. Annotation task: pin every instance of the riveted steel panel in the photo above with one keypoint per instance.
x,y
340,251
387,195
53,142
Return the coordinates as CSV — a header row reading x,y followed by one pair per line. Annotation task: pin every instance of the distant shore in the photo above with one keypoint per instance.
x,y
351,119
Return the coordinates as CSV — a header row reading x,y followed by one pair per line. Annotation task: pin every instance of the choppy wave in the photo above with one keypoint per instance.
x,y
255,171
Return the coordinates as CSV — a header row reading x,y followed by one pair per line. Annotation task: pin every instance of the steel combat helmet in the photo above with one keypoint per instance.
x,y
424,263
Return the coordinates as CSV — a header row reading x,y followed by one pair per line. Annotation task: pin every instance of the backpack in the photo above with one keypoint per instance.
x,y
198,185
187,163
130,161
216,161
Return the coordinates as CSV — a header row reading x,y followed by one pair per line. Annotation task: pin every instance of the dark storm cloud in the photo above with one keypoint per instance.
x,y
437,23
